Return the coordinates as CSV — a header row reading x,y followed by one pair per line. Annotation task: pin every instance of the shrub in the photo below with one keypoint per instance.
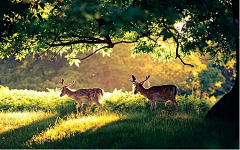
x,y
191,104
124,102
128,102
30,100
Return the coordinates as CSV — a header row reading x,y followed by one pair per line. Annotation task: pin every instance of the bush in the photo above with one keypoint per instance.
x,y
128,102
124,102
29,100
191,104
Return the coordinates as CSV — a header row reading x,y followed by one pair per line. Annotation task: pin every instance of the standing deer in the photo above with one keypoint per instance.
x,y
87,96
161,93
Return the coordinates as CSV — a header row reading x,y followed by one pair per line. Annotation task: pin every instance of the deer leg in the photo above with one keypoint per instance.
x,y
81,106
173,99
78,105
176,104
155,105
99,106
165,106
152,103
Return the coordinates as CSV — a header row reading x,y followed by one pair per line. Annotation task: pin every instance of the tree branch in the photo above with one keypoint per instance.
x,y
50,60
126,41
91,53
178,43
40,55
78,42
106,47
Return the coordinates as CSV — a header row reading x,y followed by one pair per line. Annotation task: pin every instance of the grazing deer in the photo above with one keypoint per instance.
x,y
87,96
161,93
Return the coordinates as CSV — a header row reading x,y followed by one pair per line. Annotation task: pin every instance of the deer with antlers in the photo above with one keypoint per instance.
x,y
161,93
82,96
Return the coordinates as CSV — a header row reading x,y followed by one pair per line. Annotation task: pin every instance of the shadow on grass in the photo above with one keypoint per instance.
x,y
16,138
152,131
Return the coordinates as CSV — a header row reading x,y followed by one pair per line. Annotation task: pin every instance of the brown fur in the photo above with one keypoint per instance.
x,y
84,96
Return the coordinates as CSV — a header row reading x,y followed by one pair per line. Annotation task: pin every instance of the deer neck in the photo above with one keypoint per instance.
x,y
70,93
142,90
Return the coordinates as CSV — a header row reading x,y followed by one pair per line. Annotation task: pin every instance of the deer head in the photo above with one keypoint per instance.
x,y
137,84
64,87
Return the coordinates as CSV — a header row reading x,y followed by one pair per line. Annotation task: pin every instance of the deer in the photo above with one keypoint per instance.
x,y
82,96
161,93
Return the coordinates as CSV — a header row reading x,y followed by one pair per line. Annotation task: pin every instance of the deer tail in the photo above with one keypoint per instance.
x,y
100,92
174,92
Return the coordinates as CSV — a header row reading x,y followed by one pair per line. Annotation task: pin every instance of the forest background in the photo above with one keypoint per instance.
x,y
206,79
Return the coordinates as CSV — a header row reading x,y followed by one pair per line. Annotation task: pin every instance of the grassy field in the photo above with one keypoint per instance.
x,y
113,130
43,120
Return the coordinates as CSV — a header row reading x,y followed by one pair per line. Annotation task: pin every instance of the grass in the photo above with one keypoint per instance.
x,y
18,127
115,130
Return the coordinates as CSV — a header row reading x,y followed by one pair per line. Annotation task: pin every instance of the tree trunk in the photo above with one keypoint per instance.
x,y
227,108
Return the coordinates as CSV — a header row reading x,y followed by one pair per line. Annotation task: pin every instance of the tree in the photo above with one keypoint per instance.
x,y
71,27
211,80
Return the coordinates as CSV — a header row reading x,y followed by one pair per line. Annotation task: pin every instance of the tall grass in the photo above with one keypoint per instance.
x,y
31,119
72,125
29,100
108,130
128,102
13,120
18,127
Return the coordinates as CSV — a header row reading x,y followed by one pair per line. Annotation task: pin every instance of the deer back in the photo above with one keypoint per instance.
x,y
163,91
88,95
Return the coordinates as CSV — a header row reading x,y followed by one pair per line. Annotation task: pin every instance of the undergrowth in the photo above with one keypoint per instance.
x,y
30,100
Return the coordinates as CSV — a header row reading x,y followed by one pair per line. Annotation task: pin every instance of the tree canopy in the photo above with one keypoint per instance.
x,y
72,27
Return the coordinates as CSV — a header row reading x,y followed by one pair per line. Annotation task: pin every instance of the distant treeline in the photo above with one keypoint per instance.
x,y
114,72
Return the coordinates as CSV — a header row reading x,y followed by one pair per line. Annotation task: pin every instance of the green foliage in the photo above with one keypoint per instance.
x,y
191,104
211,80
30,100
128,102
74,26
118,101
125,102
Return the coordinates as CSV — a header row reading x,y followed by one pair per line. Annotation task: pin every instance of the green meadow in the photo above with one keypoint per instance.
x,y
42,120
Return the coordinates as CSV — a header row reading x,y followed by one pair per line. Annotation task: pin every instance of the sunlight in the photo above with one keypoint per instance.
x,y
178,26
14,120
106,95
73,125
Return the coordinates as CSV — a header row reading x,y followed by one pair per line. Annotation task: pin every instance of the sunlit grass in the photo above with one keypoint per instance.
x,y
74,124
13,120
125,122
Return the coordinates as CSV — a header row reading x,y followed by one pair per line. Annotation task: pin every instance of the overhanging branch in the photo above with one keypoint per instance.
x,y
105,47
91,53
178,43
78,42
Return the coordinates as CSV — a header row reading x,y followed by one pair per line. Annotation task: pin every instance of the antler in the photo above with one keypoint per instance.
x,y
134,79
147,77
61,82
70,84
